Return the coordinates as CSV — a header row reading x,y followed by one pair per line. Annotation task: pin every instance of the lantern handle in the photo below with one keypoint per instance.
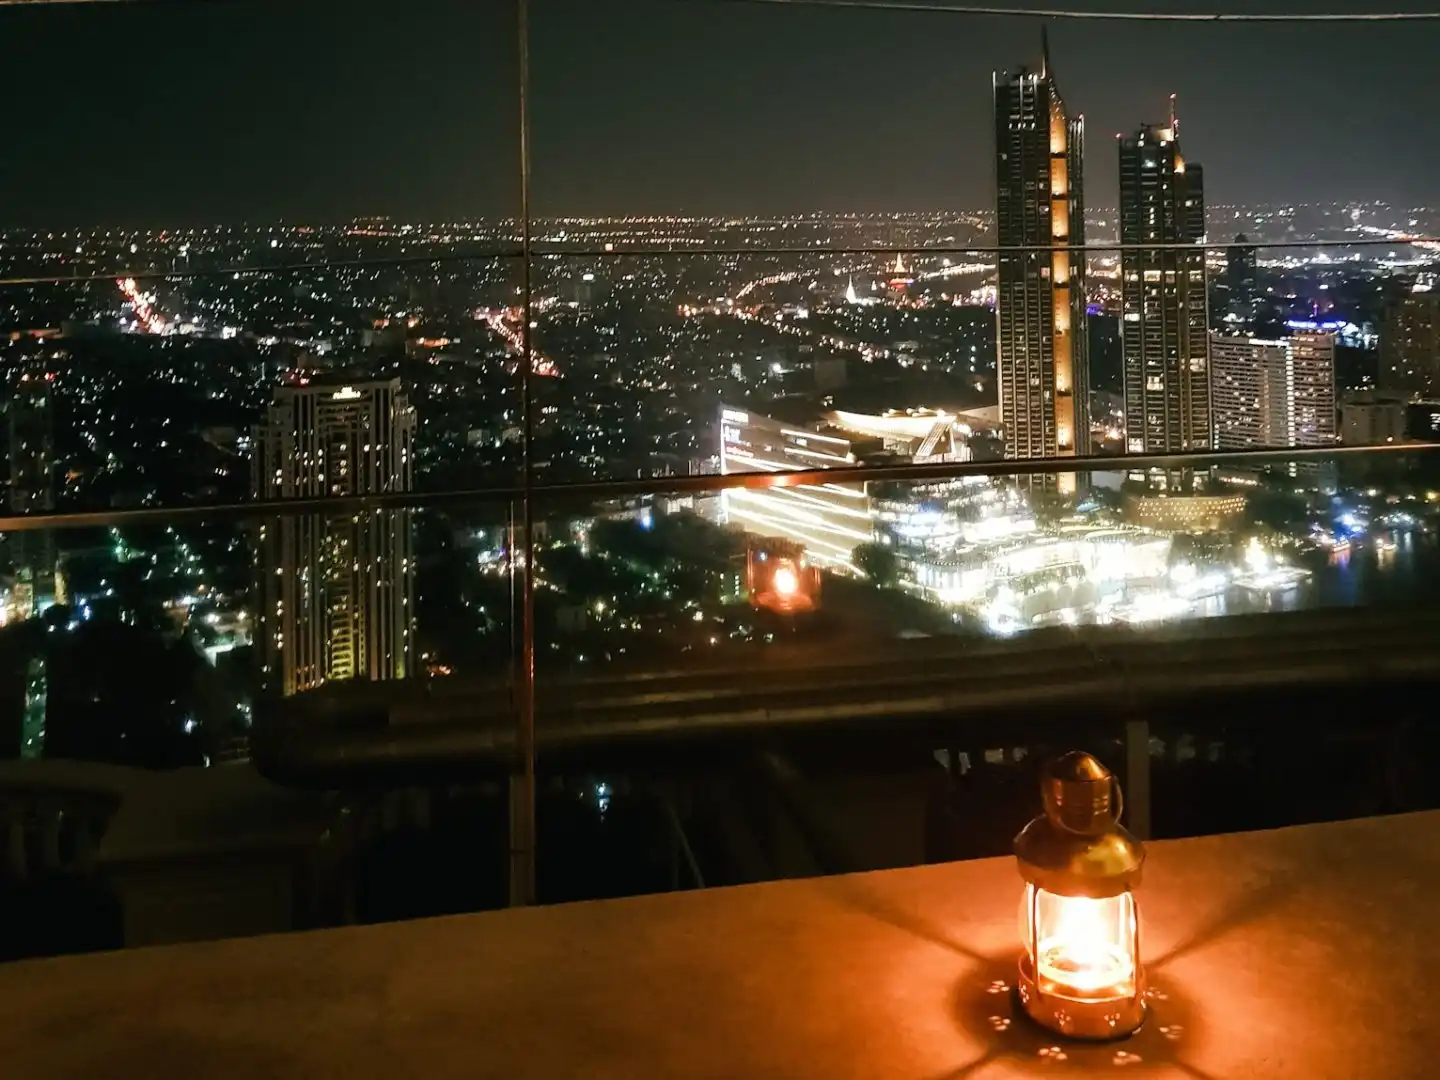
x,y
1119,798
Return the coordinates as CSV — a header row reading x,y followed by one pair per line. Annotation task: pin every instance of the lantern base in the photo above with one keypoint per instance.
x,y
1096,1021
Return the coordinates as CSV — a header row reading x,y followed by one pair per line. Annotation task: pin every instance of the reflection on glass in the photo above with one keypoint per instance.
x,y
977,555
335,594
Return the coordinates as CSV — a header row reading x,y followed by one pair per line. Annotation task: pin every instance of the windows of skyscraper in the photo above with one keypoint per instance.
x,y
1273,393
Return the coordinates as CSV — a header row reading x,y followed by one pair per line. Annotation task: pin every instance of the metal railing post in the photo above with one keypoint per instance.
x,y
522,781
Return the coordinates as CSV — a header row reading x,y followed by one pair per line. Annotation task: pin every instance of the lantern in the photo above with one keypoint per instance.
x,y
1080,974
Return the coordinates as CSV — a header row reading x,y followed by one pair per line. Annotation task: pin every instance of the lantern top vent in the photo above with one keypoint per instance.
x,y
1077,846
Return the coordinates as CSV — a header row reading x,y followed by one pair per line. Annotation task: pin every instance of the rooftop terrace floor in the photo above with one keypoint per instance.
x,y
1296,954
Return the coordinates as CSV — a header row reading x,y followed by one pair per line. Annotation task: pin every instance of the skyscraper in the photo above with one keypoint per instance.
x,y
1410,346
1163,322
1273,393
1042,359
1312,388
1251,399
335,592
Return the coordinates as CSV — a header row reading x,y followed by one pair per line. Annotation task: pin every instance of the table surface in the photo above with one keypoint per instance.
x,y
1297,954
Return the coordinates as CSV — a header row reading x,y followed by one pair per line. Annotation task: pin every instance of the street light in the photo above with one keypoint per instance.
x,y
1080,974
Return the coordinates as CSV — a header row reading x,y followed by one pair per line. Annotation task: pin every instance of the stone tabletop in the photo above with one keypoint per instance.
x,y
1297,954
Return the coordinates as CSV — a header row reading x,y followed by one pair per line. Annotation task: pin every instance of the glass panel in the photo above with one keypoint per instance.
x,y
908,695
1085,947
685,339
262,608
137,643
677,138
981,555
174,689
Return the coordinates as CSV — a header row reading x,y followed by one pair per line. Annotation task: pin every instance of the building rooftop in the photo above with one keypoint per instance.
x,y
1293,954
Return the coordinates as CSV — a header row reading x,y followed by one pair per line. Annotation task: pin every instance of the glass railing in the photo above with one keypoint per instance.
x,y
733,570
882,634
775,541
632,553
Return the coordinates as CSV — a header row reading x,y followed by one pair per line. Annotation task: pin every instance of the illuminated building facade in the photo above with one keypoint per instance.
x,y
336,593
30,420
1312,389
828,520
1273,393
1038,578
1164,325
1410,346
923,435
1042,359
1250,399
920,520
1184,513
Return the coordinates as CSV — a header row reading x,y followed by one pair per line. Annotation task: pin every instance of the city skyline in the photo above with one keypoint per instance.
x,y
624,122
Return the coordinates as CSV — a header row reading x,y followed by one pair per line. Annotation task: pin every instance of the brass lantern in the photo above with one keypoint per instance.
x,y
1080,974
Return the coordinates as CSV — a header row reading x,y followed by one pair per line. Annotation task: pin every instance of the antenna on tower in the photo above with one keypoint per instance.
x,y
1044,51
1174,122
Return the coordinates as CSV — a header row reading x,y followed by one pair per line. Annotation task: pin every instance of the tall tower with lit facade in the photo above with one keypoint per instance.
x,y
1163,330
335,592
1042,359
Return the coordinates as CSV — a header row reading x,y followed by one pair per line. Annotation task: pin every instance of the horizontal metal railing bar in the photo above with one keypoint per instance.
x,y
980,249
941,7
263,269
357,740
686,485
641,252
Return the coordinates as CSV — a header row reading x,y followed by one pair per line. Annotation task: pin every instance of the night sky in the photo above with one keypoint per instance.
x,y
176,113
